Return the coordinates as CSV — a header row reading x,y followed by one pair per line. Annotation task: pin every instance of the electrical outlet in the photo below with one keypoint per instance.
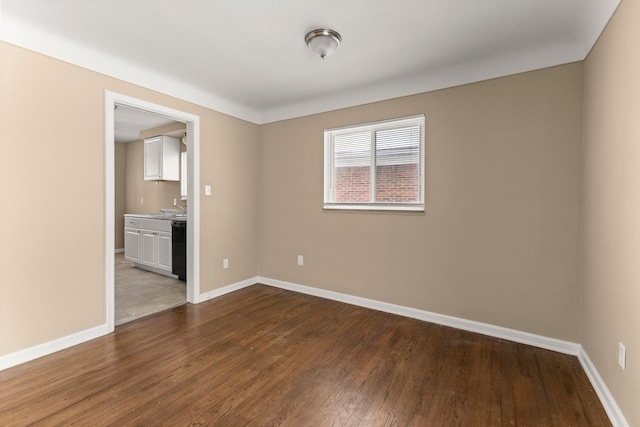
x,y
207,190
622,356
300,260
225,263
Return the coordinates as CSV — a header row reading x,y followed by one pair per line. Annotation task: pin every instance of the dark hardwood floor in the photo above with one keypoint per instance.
x,y
269,357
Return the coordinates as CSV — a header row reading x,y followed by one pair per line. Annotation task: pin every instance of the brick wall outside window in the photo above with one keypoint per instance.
x,y
352,184
394,184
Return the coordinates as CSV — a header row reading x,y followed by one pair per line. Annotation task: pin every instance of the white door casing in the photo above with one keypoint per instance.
x,y
193,183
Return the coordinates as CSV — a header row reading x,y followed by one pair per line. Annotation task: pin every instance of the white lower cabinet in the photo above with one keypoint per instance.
x,y
164,251
132,245
149,248
147,242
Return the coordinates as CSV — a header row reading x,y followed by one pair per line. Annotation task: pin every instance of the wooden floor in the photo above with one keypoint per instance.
x,y
268,357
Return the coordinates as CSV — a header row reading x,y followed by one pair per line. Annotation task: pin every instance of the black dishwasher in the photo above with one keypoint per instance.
x,y
179,249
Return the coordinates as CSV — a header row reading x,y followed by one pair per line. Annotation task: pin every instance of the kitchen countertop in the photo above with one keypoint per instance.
x,y
163,215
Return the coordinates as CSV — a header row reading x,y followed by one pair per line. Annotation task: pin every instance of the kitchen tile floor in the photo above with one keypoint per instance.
x,y
140,292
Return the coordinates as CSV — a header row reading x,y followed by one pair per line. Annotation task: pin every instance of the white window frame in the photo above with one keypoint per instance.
x,y
329,134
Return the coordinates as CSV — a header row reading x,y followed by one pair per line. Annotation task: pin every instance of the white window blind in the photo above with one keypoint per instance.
x,y
376,166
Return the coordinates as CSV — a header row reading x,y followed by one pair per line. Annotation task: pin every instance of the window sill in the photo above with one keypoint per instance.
x,y
374,208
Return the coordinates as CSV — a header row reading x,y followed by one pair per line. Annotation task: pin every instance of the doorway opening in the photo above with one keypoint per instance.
x,y
191,139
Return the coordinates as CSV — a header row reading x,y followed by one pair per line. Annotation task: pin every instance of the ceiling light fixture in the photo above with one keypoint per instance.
x,y
323,41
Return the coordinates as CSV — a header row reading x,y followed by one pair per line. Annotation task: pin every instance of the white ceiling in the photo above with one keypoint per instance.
x,y
247,58
128,122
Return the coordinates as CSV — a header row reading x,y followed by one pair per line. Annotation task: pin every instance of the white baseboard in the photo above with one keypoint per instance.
x,y
613,410
119,251
31,353
228,289
553,344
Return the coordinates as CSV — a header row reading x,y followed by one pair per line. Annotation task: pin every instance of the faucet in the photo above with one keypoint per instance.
x,y
175,205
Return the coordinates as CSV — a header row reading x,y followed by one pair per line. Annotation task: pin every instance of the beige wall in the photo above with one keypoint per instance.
x,y
146,196
120,193
500,241
612,207
52,254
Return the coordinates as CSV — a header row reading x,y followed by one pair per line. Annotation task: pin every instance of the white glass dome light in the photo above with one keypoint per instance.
x,y
323,41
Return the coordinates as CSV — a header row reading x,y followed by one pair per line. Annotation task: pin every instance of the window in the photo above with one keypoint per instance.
x,y
376,166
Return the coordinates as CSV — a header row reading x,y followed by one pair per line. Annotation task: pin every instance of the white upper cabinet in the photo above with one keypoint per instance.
x,y
162,159
183,175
